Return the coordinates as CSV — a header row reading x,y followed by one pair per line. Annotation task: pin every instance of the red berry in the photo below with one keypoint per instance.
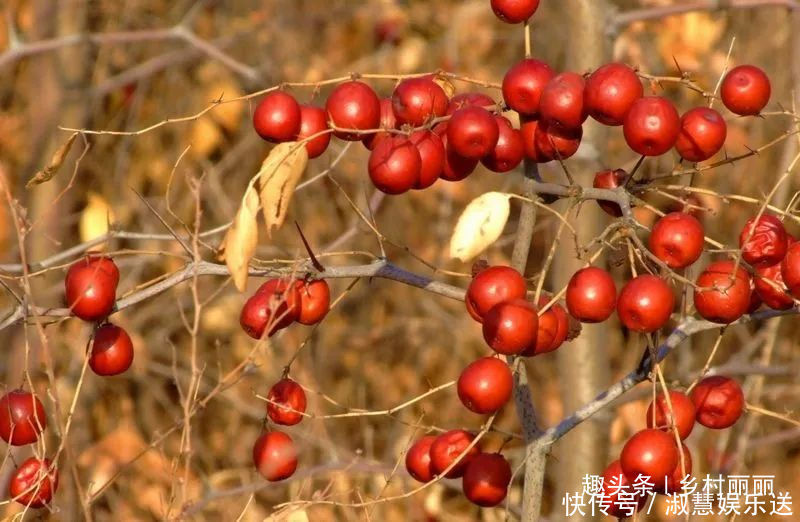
x,y
610,179
418,459
703,133
485,385
790,269
514,11
652,126
610,92
34,483
508,152
528,130
275,304
275,456
681,416
719,402
455,167
388,121
673,482
472,132
677,240
511,326
353,105
287,402
394,165
720,297
315,301
552,330
447,448
486,479
616,485
417,100
523,85
467,99
645,303
763,242
91,286
431,153
591,295
561,103
556,143
277,117
313,121
745,90
649,453
491,286
770,288
22,418
112,351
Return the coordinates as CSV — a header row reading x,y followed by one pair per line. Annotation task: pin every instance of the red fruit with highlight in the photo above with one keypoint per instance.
x,y
491,286
770,288
719,402
447,448
286,402
790,269
486,479
681,416
552,330
645,303
276,304
523,85
652,126
610,92
485,385
275,456
455,166
610,179
763,241
431,153
111,352
556,143
22,418
277,117
418,459
388,121
677,240
720,297
745,90
529,130
90,287
561,103
514,11
472,132
34,483
353,105
591,295
315,301
649,453
313,121
703,133
417,100
511,326
508,151
394,165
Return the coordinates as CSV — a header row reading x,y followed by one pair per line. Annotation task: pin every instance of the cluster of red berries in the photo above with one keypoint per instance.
x,y
274,453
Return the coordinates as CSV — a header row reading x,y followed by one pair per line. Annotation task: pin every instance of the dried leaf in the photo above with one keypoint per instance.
x,y
241,239
277,180
480,225
95,218
446,85
54,165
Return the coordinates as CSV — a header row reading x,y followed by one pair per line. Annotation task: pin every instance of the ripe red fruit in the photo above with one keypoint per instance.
x,y
485,385
388,121
431,153
702,134
511,326
610,92
514,11
645,303
682,416
315,301
486,479
287,402
34,483
91,286
447,448
553,142
472,132
770,288
276,304
763,242
313,121
677,240
790,269
614,483
720,297
591,295
277,117
508,151
353,105
112,351
719,402
491,286
610,179
651,453
652,126
417,100
673,482
528,130
523,85
455,167
466,99
552,330
745,90
22,417
394,165
275,456
418,459
561,103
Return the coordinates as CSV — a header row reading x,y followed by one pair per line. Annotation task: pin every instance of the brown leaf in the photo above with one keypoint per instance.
x,y
277,180
241,239
54,165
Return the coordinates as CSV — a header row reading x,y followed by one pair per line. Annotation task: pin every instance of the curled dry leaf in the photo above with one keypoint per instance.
x,y
277,180
480,225
54,164
241,239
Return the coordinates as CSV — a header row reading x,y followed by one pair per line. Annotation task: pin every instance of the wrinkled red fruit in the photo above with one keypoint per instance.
x,y
112,351
418,459
315,301
561,103
652,126
447,448
22,418
286,402
353,105
91,286
276,304
394,165
514,11
511,326
720,297
610,179
508,151
485,385
770,288
790,269
431,153
616,492
275,456
34,483
472,132
552,331
763,242
610,92
645,303
313,121
491,286
745,90
677,240
523,85
649,453
417,100
703,133
681,416
719,402
277,117
486,479
591,295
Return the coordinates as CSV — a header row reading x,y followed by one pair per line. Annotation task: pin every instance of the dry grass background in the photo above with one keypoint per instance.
x,y
385,343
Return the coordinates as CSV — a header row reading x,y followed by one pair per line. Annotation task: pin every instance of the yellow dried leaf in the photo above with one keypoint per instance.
x,y
480,225
446,85
277,180
95,218
55,163
241,239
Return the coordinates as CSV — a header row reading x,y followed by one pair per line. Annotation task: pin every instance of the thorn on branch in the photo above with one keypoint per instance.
x,y
314,261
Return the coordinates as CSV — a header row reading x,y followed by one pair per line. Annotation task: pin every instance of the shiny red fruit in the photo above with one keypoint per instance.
x,y
455,166
431,153
277,117
447,448
418,459
652,126
523,85
418,100
314,121
286,402
486,479
485,385
511,326
276,304
34,483
556,143
353,105
610,92
649,453
591,295
674,482
745,90
22,418
677,240
616,491
491,286
472,132
528,130
388,121
719,402
681,416
315,301
467,99
645,303
770,288
514,11
90,287
275,456
610,179
703,133
763,242
790,269
552,330
112,351
561,103
720,297
508,151
394,165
